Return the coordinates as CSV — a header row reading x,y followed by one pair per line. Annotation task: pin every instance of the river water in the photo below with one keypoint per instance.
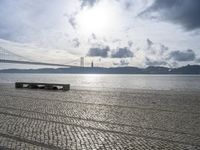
x,y
149,82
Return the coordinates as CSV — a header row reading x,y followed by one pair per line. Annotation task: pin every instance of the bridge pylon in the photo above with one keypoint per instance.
x,y
82,63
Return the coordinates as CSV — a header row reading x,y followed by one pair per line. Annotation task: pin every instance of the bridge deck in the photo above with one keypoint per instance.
x,y
34,63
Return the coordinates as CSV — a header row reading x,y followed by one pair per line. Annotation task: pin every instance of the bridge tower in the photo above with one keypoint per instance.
x,y
92,64
82,62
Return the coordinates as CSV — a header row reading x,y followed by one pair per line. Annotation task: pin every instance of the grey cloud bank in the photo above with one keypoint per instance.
x,y
104,51
122,53
183,12
187,55
99,52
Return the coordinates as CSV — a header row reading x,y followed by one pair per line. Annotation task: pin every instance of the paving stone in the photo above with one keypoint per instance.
x,y
89,119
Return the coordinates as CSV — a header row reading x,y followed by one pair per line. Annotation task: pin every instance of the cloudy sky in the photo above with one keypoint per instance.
x,y
109,32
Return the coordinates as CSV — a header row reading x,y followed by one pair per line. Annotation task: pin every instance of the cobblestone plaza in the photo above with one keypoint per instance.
x,y
99,119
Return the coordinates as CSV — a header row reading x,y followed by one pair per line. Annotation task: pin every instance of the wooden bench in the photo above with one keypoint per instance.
x,y
47,86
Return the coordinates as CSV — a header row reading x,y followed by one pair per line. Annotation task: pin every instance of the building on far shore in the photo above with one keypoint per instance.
x,y
92,64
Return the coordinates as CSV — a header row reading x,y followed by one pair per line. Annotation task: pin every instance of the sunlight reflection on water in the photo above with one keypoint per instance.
x,y
155,82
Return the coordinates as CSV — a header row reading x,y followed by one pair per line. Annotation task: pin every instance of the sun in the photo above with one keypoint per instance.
x,y
98,19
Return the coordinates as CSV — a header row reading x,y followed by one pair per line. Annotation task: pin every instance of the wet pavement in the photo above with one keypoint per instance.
x,y
99,119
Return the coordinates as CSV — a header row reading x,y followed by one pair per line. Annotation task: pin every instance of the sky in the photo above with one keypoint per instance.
x,y
111,33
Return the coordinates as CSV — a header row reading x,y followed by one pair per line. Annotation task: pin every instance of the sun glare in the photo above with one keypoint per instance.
x,y
98,19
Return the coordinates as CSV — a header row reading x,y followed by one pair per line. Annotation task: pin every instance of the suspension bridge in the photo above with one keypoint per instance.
x,y
7,56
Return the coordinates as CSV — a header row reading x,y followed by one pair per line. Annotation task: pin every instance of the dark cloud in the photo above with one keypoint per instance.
x,y
197,60
156,48
90,3
183,12
72,21
128,4
130,43
122,53
163,49
150,62
103,51
188,55
149,43
94,37
99,52
76,42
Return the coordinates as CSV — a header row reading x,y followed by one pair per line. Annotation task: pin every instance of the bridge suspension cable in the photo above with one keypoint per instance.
x,y
23,60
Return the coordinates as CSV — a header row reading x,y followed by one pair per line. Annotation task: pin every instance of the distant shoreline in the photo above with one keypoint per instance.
x,y
189,69
101,73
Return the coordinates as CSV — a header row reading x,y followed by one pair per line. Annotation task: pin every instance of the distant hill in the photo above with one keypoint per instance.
x,y
189,69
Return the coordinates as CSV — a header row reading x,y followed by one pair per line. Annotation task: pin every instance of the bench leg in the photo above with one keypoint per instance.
x,y
18,85
66,88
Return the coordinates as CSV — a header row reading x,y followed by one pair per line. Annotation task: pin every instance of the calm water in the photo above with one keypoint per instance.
x,y
154,82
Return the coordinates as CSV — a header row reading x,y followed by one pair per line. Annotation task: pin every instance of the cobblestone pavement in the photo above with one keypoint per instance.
x,y
99,119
